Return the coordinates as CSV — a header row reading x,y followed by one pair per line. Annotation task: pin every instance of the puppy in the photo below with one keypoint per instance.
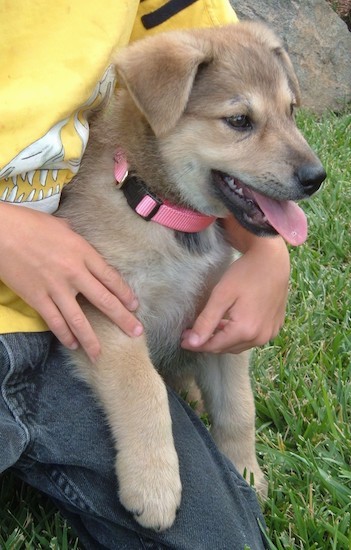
x,y
204,124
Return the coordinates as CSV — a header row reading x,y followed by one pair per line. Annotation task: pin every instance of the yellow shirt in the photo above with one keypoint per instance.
x,y
54,69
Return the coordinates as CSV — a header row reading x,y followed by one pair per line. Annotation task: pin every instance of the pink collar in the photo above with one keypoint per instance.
x,y
150,207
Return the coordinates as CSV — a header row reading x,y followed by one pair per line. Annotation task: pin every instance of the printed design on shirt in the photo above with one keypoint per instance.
x,y
165,12
39,171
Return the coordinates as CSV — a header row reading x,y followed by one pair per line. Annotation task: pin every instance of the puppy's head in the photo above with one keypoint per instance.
x,y
220,103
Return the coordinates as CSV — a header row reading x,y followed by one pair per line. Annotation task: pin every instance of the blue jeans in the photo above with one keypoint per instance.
x,y
54,437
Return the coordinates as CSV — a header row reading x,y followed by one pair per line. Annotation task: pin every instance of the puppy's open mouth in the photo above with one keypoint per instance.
x,y
259,213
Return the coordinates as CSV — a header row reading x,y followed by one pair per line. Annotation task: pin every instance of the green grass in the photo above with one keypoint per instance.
x,y
303,378
302,383
28,520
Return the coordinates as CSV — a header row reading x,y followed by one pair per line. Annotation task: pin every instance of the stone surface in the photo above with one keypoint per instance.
x,y
318,42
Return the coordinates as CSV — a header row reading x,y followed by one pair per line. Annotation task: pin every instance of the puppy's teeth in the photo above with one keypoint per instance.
x,y
239,191
231,183
265,219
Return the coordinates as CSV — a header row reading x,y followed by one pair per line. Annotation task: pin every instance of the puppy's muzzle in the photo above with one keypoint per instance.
x,y
311,177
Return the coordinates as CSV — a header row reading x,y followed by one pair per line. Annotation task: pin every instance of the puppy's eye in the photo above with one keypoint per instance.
x,y
239,122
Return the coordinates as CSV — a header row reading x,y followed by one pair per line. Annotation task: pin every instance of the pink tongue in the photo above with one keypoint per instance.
x,y
287,218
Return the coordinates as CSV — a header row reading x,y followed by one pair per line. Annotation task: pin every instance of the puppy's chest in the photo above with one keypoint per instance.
x,y
172,286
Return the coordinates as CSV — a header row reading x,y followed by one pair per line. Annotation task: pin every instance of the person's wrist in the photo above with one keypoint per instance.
x,y
272,248
268,244
274,253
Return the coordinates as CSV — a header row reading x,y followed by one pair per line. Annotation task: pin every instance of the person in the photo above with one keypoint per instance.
x,y
55,70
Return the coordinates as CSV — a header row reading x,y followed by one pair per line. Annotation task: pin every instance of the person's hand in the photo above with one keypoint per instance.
x,y
47,264
247,306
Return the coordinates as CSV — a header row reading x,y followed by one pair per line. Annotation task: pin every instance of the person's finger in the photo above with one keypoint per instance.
x,y
57,324
231,335
208,320
219,342
99,296
113,281
67,305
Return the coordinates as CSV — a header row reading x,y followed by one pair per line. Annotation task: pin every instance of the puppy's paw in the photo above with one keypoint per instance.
x,y
244,459
150,487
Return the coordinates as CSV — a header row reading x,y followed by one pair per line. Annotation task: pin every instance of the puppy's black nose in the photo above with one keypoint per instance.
x,y
311,177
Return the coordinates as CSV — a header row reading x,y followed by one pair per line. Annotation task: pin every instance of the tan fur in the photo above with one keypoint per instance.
x,y
177,89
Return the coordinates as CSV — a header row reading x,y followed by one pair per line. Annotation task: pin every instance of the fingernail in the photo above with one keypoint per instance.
x,y
73,346
194,339
138,330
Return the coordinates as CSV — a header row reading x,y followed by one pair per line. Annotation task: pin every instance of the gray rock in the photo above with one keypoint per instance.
x,y
318,42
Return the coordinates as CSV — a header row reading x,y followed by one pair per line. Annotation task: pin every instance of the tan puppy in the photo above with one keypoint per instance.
x,y
205,119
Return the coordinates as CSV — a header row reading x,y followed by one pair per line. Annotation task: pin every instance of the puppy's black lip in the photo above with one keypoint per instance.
x,y
240,202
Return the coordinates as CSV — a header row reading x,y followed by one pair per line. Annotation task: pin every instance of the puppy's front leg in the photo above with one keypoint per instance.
x,y
225,384
136,403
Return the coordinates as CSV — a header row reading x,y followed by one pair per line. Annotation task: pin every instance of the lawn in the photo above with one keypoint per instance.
x,y
301,380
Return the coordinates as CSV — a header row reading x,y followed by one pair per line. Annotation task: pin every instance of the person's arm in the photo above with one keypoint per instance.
x,y
48,265
247,306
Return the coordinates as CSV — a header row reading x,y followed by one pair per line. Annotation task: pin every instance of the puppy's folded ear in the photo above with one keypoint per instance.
x,y
159,72
284,59
270,40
